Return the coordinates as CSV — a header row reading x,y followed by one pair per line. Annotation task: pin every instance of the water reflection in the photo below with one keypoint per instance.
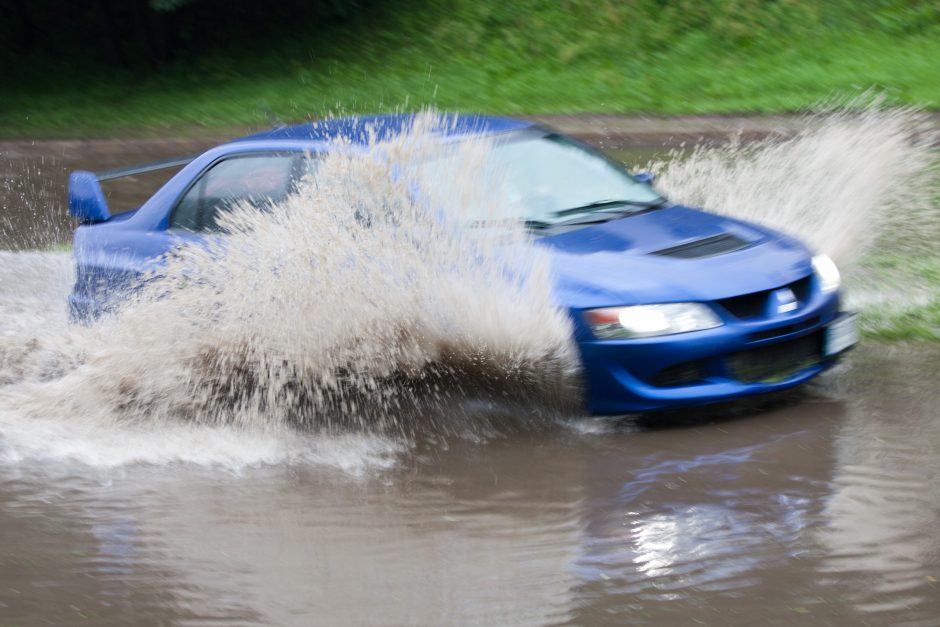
x,y
431,548
709,520
880,526
73,553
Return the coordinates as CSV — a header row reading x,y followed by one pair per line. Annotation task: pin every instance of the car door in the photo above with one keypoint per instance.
x,y
112,258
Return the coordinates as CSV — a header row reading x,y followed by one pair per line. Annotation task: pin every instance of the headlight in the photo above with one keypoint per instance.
x,y
614,323
828,273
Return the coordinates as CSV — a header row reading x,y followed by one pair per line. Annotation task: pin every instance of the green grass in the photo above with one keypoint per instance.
x,y
525,57
914,314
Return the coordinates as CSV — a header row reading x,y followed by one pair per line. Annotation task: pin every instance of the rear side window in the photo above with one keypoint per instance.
x,y
256,179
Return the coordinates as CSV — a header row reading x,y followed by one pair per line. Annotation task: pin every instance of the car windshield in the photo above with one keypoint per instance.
x,y
543,179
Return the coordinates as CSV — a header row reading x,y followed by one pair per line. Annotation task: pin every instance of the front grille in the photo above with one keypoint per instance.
x,y
752,305
755,304
685,373
705,247
801,288
776,362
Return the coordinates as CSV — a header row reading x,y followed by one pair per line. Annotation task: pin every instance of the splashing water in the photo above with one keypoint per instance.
x,y
368,314
349,303
28,186
848,178
859,183
356,303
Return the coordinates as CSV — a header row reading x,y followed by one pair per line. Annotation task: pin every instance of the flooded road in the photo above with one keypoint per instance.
x,y
821,507
821,511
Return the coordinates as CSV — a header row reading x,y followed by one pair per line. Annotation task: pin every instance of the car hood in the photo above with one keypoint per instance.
x,y
627,261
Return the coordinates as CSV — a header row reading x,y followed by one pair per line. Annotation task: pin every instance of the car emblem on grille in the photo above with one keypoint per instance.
x,y
785,300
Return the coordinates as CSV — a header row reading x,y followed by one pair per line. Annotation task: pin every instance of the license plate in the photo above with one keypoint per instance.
x,y
841,335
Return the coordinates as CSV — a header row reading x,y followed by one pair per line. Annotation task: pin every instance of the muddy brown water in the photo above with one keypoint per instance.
x,y
821,509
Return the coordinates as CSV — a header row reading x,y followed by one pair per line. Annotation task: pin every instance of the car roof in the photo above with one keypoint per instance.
x,y
364,129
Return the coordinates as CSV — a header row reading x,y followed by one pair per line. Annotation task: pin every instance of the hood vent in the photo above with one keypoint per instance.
x,y
705,247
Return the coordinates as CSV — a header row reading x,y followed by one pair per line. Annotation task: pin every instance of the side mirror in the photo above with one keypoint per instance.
x,y
645,177
86,200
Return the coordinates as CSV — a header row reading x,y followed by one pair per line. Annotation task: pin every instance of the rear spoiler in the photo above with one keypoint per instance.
x,y
86,200
153,166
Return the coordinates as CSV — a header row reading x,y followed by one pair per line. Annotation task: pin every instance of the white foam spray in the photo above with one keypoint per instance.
x,y
355,304
852,177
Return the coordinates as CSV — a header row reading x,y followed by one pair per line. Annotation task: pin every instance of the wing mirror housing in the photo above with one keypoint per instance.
x,y
86,200
645,177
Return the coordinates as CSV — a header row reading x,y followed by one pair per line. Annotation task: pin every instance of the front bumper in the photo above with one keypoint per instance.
x,y
739,359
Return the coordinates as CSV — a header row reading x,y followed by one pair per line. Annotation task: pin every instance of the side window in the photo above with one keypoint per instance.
x,y
257,179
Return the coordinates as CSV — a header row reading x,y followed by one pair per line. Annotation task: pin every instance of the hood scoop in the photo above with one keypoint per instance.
x,y
705,247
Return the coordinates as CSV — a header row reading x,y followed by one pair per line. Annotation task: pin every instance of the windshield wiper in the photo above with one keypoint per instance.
x,y
595,217
604,204
537,224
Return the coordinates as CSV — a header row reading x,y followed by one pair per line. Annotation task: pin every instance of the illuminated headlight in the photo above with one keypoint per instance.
x,y
616,323
827,272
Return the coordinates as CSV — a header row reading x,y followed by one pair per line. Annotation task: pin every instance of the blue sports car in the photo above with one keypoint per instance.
x,y
671,305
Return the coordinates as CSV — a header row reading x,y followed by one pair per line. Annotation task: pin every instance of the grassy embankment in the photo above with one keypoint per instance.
x,y
918,319
530,56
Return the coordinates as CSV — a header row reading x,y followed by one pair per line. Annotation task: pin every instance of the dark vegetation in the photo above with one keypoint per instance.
x,y
130,35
